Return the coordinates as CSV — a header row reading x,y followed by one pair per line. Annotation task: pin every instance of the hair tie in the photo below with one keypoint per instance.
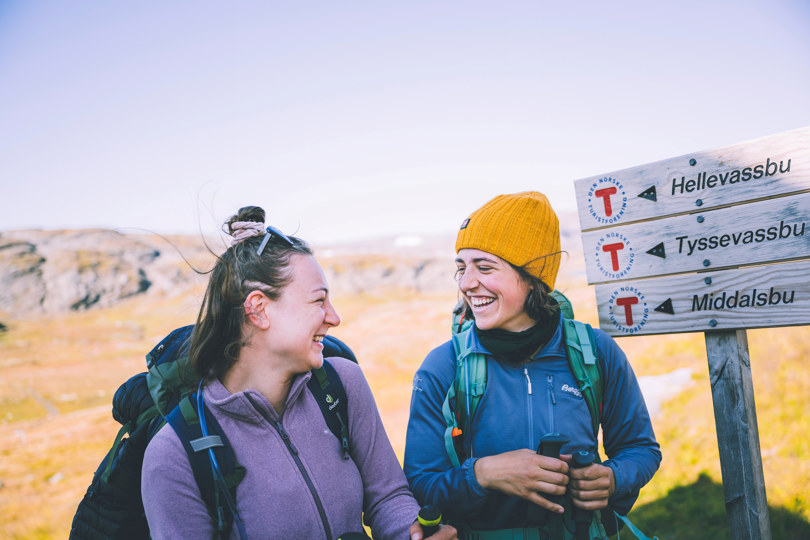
x,y
242,230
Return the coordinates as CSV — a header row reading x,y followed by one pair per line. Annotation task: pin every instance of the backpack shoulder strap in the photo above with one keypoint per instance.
x,y
583,361
332,346
185,421
463,395
328,390
566,308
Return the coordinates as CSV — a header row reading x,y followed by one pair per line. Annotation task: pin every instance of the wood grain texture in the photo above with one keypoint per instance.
x,y
754,297
760,232
711,182
738,435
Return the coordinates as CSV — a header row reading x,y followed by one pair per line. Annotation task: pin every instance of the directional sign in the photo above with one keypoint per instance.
x,y
755,297
758,169
755,233
714,215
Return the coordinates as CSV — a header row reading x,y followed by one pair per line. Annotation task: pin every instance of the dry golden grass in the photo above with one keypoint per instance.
x,y
57,378
58,375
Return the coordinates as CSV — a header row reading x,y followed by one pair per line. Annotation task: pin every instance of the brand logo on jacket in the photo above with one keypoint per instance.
x,y
571,390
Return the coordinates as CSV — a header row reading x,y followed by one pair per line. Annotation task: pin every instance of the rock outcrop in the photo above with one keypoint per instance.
x,y
43,272
55,271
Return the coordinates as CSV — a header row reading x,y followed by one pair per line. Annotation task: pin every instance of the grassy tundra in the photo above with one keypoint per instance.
x,y
58,374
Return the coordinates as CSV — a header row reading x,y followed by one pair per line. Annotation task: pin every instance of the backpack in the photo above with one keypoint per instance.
x,y
112,507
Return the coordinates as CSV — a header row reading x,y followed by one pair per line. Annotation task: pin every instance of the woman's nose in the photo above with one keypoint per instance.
x,y
332,318
468,281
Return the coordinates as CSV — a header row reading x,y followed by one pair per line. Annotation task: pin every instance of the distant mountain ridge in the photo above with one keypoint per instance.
x,y
45,272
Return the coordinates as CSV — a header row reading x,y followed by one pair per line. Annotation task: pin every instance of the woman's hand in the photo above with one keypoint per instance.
x,y
526,474
590,486
445,532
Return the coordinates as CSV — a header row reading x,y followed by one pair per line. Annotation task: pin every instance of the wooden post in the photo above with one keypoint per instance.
x,y
737,434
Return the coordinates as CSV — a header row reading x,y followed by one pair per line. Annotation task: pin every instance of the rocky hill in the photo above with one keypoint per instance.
x,y
45,272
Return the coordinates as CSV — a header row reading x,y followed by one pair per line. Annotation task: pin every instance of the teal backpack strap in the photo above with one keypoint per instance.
x,y
633,529
463,396
582,358
566,308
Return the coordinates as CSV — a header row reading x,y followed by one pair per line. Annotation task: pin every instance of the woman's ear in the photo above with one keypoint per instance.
x,y
256,305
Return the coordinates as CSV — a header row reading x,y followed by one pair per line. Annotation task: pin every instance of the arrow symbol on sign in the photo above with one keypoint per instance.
x,y
666,307
649,194
658,251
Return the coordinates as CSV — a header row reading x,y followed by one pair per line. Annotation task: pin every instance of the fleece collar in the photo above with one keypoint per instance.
x,y
238,405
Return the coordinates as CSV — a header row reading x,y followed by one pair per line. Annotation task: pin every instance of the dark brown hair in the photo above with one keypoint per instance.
x,y
217,338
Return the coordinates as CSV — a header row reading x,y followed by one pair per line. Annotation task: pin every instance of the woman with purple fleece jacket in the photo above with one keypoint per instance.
x,y
258,336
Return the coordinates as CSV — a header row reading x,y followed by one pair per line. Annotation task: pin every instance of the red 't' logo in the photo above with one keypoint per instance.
x,y
605,194
627,303
613,249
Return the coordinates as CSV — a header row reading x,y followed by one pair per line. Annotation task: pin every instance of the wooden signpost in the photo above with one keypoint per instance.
x,y
716,241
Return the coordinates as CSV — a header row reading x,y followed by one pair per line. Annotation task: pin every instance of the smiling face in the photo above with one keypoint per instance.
x,y
301,317
493,290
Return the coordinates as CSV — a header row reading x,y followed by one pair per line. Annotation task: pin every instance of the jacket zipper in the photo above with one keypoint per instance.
x,y
529,409
279,427
552,400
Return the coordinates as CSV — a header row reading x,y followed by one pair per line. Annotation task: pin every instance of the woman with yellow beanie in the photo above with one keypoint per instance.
x,y
499,487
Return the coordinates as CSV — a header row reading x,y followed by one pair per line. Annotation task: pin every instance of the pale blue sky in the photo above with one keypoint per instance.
x,y
353,119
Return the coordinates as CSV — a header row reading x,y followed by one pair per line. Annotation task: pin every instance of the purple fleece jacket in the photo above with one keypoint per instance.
x,y
273,499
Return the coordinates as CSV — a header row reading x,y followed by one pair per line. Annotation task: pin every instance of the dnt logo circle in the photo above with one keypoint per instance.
x,y
628,310
607,200
614,255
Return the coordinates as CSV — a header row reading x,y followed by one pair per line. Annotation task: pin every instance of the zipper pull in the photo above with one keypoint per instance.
x,y
286,438
528,380
551,390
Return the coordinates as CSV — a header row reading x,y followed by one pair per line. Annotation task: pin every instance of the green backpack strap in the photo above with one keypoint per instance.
x,y
146,416
582,359
463,396
566,308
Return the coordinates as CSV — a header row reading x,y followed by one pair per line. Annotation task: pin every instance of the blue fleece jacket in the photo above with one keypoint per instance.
x,y
519,406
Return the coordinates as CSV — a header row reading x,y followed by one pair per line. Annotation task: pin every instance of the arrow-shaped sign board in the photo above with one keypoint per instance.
x,y
754,297
758,169
761,232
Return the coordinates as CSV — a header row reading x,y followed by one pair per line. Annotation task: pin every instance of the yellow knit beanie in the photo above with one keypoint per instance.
x,y
520,228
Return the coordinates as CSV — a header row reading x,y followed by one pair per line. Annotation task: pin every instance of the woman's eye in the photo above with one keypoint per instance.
x,y
459,273
484,268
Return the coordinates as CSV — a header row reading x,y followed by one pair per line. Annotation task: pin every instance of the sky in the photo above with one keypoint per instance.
x,y
351,120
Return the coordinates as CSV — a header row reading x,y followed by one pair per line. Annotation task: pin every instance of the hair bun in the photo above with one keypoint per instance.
x,y
245,214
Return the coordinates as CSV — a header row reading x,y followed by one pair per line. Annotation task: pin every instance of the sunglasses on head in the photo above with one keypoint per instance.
x,y
272,231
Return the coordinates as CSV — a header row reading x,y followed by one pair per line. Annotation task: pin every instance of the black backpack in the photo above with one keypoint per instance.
x,y
112,507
